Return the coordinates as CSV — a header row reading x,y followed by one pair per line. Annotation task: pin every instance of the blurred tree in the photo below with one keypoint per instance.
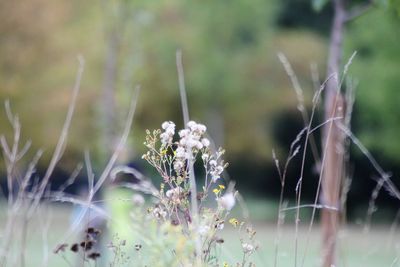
x,y
117,18
334,106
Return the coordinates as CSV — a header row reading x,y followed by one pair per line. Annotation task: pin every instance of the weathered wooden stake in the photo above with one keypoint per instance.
x,y
333,140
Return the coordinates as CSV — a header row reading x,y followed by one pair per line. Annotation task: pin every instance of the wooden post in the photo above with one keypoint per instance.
x,y
331,183
333,140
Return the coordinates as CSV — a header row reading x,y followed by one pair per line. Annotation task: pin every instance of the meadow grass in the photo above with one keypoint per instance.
x,y
378,247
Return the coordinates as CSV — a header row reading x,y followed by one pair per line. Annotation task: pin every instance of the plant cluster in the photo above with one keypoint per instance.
x,y
167,231
85,248
173,154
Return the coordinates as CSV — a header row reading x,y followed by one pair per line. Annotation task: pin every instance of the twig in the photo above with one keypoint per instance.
x,y
106,172
324,154
11,157
298,192
392,189
294,149
121,144
192,179
300,98
71,179
325,122
45,222
182,89
63,137
371,205
311,206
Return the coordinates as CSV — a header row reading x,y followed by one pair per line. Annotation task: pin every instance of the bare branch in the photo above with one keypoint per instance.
x,y
24,150
71,179
121,143
63,137
182,89
392,189
314,206
325,122
5,147
192,178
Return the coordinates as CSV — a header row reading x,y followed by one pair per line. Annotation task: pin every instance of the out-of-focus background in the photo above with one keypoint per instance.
x,y
235,84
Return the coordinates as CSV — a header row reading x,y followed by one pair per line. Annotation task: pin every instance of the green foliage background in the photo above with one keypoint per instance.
x,y
232,71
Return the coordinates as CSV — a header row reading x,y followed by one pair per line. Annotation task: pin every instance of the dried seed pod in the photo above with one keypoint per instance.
x,y
90,230
93,231
75,247
219,240
87,245
94,255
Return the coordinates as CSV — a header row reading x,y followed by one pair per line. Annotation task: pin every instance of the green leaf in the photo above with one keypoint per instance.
x,y
318,5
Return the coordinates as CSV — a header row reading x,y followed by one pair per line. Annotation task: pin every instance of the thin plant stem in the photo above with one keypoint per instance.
x,y
324,154
300,99
106,172
315,101
330,127
282,176
192,179
63,138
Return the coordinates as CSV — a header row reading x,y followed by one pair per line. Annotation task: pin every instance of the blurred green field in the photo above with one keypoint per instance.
x,y
378,247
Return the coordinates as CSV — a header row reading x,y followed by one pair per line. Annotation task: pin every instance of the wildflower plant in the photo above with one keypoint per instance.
x,y
171,154
170,157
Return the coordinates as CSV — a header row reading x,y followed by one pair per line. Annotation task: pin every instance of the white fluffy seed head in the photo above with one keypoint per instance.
x,y
227,201
184,132
180,152
205,157
205,142
167,124
247,248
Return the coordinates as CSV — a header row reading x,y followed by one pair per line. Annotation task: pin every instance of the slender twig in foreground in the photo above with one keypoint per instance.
x,y
192,178
63,137
109,166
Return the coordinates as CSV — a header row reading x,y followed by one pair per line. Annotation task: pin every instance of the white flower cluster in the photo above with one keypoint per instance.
x,y
191,141
159,213
214,165
175,194
172,157
192,136
168,134
248,248
215,169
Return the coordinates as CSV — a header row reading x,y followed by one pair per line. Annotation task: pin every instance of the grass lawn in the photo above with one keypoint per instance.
x,y
376,248
379,247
